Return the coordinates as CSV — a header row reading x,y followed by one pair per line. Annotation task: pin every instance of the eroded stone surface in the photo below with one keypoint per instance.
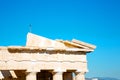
x,y
43,54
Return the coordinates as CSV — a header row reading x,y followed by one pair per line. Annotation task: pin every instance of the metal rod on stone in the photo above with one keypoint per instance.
x,y
30,27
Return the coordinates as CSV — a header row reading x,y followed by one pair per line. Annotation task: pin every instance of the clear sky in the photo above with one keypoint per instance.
x,y
92,21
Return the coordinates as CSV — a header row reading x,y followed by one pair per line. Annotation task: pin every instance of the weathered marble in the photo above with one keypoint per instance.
x,y
60,58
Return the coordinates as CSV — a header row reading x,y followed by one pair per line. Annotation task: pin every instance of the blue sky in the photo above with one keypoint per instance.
x,y
92,21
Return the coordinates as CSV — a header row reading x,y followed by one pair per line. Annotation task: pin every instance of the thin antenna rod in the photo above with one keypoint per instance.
x,y
30,27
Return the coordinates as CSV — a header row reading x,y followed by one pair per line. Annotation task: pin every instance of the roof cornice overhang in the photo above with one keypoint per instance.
x,y
33,49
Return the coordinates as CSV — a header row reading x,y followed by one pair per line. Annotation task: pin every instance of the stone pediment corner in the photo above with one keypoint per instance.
x,y
34,40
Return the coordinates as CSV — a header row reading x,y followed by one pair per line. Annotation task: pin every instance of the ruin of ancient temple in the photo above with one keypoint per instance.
x,y
45,59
